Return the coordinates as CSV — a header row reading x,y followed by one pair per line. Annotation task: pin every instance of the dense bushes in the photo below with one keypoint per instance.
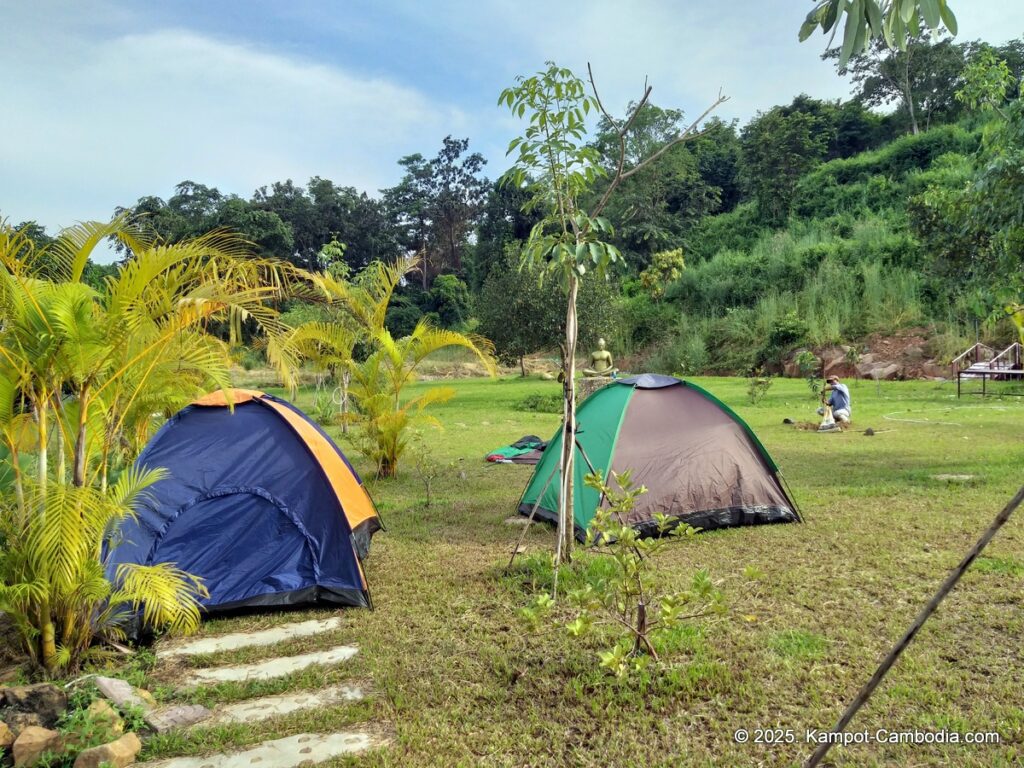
x,y
752,309
896,159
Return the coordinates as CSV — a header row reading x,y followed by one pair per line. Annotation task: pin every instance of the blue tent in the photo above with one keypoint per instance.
x,y
259,503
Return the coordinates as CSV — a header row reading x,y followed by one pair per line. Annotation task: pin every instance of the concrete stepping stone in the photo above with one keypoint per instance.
x,y
953,478
290,752
274,706
271,668
237,640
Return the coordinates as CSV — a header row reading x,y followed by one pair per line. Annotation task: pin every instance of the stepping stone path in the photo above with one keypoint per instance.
x,y
248,639
291,752
268,670
160,719
285,704
953,478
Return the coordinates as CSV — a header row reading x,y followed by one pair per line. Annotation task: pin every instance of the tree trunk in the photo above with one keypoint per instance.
x,y
908,96
58,434
83,413
566,529
346,376
41,416
47,638
19,488
641,629
522,365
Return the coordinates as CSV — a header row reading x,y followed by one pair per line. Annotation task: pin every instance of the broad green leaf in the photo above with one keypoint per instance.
x,y
874,16
831,15
908,9
930,12
851,31
947,17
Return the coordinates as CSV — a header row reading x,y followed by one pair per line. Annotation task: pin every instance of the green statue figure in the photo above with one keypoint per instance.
x,y
601,363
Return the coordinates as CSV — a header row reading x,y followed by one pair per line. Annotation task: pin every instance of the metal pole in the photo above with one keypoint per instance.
x,y
929,609
529,520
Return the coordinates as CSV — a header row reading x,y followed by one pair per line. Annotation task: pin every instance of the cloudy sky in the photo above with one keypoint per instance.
x,y
110,100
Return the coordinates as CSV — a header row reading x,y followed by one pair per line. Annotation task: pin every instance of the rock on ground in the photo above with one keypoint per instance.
x,y
44,699
182,716
122,693
117,754
101,711
32,743
19,721
267,670
253,710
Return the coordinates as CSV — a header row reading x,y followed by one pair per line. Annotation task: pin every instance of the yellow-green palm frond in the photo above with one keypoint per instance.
x,y
166,595
430,397
130,488
320,338
18,253
71,251
15,598
426,339
367,296
66,534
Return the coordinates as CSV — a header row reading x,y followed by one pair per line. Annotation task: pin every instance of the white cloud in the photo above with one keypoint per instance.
x,y
109,101
97,124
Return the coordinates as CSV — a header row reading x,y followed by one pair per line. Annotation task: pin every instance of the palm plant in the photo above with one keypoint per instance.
x,y
54,585
328,345
85,377
378,381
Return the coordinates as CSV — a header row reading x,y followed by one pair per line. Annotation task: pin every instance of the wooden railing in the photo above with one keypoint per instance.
x,y
979,353
1008,359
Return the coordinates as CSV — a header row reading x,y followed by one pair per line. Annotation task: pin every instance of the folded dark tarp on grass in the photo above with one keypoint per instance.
x,y
525,450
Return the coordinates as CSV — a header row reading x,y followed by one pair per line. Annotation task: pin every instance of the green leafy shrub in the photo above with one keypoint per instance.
x,y
757,386
621,591
449,298
736,230
786,332
643,321
809,366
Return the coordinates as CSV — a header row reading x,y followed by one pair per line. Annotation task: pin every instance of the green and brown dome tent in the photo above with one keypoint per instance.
x,y
699,461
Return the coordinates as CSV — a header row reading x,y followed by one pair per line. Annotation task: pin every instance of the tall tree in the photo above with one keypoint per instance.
x,y
195,209
780,146
323,212
436,205
502,222
921,80
655,208
523,315
719,156
561,169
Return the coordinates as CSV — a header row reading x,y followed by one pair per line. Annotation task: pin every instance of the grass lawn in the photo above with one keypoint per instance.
x,y
462,682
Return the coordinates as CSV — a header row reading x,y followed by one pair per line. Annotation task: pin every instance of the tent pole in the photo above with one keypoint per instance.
x,y
789,492
529,520
890,658
591,467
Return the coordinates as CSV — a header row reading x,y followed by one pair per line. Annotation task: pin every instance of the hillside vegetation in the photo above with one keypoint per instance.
x,y
815,223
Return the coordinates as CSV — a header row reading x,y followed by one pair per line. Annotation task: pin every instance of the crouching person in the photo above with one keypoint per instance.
x,y
838,396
